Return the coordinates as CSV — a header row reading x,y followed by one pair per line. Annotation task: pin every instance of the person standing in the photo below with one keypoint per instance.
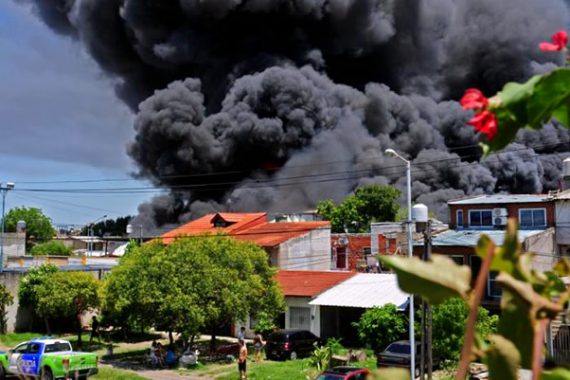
x,y
94,329
242,360
258,344
241,333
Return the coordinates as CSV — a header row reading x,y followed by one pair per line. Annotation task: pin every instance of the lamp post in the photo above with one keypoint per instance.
x,y
90,234
4,189
393,153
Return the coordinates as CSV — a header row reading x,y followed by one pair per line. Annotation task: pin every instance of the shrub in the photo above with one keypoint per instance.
x,y
449,320
52,247
380,326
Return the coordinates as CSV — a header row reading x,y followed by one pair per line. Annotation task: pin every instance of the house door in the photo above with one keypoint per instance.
x,y
340,257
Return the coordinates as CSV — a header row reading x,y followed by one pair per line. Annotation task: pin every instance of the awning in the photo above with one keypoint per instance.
x,y
364,290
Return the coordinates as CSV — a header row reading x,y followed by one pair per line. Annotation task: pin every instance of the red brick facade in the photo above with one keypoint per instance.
x,y
512,209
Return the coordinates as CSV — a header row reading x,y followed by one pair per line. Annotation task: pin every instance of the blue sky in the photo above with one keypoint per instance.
x,y
60,121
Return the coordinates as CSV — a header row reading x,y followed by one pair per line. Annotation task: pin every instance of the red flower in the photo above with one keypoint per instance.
x,y
474,99
486,123
559,41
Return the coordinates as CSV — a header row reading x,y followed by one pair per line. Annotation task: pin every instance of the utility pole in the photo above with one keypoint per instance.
x,y
4,190
426,349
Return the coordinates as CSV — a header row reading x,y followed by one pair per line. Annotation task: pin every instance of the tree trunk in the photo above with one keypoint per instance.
x,y
170,337
213,339
79,331
48,330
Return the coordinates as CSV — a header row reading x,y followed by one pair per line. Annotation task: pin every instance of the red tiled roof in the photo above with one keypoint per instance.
x,y
204,225
249,227
309,283
272,234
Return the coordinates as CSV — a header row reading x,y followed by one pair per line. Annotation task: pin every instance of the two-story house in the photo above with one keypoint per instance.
x,y
474,216
289,245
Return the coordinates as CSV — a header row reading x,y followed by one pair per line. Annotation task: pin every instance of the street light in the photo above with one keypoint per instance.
x,y
4,190
393,153
90,234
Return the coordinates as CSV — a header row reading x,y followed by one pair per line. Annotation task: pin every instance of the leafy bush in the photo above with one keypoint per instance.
x,y
32,281
53,248
6,299
449,320
380,326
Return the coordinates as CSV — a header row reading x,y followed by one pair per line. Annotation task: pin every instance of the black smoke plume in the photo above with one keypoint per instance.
x,y
277,104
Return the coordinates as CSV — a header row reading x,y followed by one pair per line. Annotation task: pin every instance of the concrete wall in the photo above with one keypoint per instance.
x,y
311,251
543,245
315,313
14,244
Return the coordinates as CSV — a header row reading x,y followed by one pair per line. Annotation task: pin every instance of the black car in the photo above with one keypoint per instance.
x,y
397,354
290,344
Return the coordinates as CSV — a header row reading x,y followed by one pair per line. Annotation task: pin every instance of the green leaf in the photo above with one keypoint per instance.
x,y
435,280
562,114
550,92
556,374
514,97
502,358
521,306
392,374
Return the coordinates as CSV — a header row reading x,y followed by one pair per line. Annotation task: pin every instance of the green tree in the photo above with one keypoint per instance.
x,y
66,294
30,284
52,247
194,284
381,326
113,227
448,323
6,299
372,203
38,226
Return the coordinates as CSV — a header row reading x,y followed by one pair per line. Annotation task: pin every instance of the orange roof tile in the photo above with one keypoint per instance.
x,y
272,234
309,283
204,225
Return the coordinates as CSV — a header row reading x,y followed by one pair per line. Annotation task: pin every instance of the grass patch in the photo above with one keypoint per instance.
x,y
12,339
107,373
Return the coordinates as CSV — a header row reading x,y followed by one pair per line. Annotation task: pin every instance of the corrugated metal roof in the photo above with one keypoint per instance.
x,y
469,238
364,290
501,198
308,283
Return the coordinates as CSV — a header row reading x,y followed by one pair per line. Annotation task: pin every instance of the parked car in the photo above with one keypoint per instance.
x,y
47,359
397,354
290,344
345,373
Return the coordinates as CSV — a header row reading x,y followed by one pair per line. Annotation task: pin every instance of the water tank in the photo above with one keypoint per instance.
x,y
566,167
420,213
21,226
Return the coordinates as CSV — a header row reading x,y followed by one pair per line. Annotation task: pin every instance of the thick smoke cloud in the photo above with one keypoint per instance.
x,y
277,104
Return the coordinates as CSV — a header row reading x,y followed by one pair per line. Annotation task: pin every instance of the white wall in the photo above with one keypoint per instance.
x,y
562,215
311,251
388,229
544,247
14,244
315,324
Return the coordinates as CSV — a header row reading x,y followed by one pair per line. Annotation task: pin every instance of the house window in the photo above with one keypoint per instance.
x,y
459,218
493,290
300,318
475,263
252,322
366,251
480,218
532,217
458,259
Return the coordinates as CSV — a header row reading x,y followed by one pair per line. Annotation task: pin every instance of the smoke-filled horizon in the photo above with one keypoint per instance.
x,y
231,94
